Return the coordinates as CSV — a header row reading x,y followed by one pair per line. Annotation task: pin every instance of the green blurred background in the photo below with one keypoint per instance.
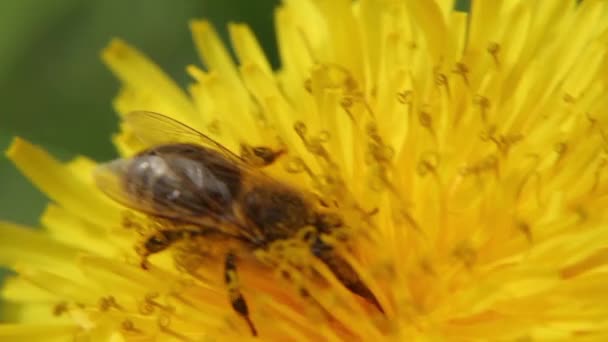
x,y
55,91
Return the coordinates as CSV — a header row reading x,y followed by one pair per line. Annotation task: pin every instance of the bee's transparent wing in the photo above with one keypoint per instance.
x,y
156,129
112,179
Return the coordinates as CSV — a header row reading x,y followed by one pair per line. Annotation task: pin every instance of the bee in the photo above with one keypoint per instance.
x,y
208,192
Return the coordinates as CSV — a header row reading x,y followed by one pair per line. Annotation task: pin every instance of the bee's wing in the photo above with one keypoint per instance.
x,y
113,179
157,129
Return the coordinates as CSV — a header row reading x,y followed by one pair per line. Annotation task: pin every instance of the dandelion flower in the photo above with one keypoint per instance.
x,y
475,142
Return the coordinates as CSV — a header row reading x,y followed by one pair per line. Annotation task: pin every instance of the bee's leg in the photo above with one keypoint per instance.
x,y
234,294
260,156
343,272
158,242
155,243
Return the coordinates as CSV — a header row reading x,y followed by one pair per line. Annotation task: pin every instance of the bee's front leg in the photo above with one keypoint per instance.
x,y
234,293
260,156
158,242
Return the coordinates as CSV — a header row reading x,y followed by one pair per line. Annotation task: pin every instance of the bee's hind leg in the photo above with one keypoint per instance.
x,y
260,156
343,272
234,294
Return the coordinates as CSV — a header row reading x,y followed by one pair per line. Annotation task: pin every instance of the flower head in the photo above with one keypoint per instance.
x,y
466,152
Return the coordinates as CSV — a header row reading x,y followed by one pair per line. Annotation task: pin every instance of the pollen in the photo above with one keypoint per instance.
x,y
466,152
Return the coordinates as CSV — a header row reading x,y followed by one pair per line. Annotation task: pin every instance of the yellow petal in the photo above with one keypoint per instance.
x,y
63,226
28,246
247,48
38,332
147,86
54,179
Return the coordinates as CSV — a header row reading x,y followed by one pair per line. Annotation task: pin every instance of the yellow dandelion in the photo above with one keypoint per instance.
x,y
465,152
